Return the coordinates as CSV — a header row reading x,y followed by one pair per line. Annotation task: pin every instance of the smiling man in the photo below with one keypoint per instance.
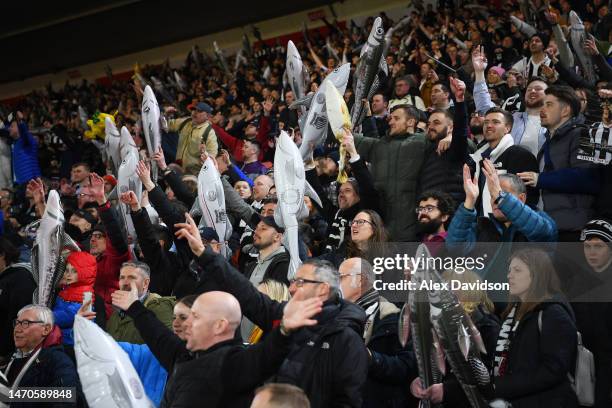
x,y
49,365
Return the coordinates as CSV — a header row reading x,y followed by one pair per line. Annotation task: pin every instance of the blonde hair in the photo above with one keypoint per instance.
x,y
276,291
470,299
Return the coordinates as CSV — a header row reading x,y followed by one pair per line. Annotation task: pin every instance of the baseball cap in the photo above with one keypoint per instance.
x,y
270,221
200,107
208,234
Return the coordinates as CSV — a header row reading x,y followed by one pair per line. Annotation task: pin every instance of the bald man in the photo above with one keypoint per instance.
x,y
213,368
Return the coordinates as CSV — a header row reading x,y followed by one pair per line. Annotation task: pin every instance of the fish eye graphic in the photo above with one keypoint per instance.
x,y
379,30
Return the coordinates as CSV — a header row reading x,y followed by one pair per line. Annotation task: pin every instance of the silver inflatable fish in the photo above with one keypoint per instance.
x,y
150,123
48,257
107,375
577,38
289,178
371,65
111,145
211,200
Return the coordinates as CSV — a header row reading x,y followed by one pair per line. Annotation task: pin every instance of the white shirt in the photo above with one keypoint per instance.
x,y
532,134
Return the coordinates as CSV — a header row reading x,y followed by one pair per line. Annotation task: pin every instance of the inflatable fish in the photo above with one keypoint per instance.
x,y
289,179
339,120
48,257
108,377
150,124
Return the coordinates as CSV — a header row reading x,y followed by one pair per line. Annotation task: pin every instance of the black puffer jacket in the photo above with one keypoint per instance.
x,y
539,361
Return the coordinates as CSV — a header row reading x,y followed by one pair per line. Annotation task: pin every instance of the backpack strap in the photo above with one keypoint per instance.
x,y
182,126
205,135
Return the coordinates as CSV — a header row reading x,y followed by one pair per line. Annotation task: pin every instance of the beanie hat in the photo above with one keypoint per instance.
x,y
601,229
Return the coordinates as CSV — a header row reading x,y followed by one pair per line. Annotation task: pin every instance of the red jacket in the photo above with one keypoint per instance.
x,y
234,144
86,266
109,262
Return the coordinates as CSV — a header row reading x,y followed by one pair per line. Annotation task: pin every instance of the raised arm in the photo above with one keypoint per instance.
x,y
482,98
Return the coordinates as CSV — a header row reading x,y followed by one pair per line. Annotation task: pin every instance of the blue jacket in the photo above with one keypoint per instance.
x,y
151,373
25,156
535,226
64,312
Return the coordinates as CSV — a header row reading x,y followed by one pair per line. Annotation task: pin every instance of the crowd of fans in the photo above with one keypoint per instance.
x,y
487,129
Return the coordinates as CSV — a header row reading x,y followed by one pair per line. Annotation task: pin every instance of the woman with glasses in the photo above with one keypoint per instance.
x,y
368,236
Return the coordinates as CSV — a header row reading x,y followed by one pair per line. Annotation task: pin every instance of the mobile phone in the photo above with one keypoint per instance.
x,y
87,298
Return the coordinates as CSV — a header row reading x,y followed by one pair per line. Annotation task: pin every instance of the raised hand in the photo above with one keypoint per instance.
x,y
129,198
348,142
123,299
37,188
159,158
479,59
143,171
189,230
298,311
85,311
591,47
470,187
96,188
530,178
492,178
457,88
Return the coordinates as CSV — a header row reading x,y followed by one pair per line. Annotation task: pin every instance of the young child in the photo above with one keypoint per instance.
x,y
79,278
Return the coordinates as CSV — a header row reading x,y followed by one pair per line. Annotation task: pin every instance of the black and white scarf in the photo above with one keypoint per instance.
x,y
370,303
503,343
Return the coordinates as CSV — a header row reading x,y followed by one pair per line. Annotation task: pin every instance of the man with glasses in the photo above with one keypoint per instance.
x,y
526,129
328,360
390,366
39,359
434,212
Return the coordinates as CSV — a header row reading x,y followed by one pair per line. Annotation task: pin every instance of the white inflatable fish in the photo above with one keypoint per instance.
x,y
111,144
126,144
150,124
127,180
107,375
211,200
314,128
296,72
48,262
339,119
290,180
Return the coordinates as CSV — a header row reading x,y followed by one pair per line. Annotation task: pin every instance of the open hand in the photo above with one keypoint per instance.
x,y
298,311
123,299
470,187
189,230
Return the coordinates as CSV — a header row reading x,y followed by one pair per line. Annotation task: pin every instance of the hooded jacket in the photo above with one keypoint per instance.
x,y
70,297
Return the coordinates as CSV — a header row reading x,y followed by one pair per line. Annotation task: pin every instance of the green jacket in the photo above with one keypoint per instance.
x,y
122,328
396,163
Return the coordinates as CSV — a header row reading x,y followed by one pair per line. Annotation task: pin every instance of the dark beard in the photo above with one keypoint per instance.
x,y
431,227
533,105
476,130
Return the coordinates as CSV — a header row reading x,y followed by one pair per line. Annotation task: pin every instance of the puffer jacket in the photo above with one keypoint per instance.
x,y
150,371
568,185
70,297
396,169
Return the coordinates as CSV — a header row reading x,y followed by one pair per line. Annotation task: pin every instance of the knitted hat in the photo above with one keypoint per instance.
x,y
601,229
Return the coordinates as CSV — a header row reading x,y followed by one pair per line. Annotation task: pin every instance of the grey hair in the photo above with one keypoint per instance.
x,y
518,186
141,266
326,272
44,314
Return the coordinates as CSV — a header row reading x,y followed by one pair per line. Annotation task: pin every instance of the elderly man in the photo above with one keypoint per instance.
x,y
195,135
39,353
136,276
280,396
213,368
328,360
391,366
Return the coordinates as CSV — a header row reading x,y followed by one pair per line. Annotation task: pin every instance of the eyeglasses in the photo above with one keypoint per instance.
x,y
427,209
26,323
342,275
98,235
359,223
301,281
